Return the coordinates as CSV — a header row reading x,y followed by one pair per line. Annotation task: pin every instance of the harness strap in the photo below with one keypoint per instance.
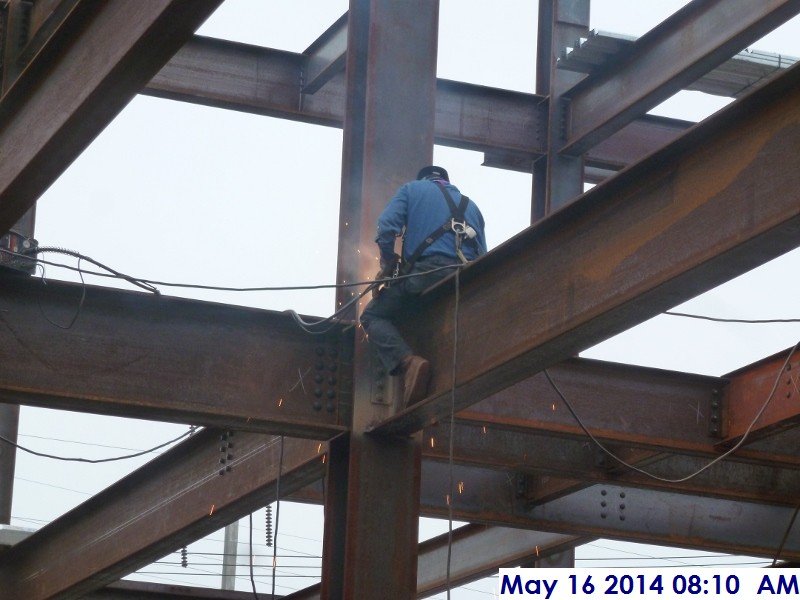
x,y
456,212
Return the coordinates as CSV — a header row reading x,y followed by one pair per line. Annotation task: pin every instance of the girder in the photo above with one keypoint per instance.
x,y
138,355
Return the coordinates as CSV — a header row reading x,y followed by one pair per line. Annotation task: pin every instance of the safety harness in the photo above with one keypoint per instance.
x,y
456,223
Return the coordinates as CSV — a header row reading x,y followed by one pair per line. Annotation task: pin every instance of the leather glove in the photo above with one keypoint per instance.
x,y
388,265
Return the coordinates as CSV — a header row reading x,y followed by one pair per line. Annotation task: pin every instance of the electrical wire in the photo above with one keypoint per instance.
x,y
252,576
708,465
153,282
721,320
94,460
277,518
451,497
77,311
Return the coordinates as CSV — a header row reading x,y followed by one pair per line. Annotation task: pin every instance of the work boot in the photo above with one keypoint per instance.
x,y
416,372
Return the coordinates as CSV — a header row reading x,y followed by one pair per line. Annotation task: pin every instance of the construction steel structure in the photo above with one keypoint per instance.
x,y
658,229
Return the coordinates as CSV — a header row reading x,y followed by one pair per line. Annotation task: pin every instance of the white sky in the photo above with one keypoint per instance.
x,y
180,192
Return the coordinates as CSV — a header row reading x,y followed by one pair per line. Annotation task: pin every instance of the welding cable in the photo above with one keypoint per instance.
x,y
708,465
721,320
93,460
77,311
277,519
452,432
252,576
218,288
52,249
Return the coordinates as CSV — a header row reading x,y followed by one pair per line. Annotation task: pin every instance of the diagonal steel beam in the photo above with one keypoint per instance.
x,y
477,551
137,355
480,550
653,236
96,61
325,57
697,38
269,82
184,494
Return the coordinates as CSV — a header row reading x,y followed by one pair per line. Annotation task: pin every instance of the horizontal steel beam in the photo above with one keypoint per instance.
x,y
137,355
189,491
91,67
697,38
269,82
655,235
614,511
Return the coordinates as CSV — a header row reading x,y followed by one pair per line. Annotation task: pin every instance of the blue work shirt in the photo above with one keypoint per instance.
x,y
421,208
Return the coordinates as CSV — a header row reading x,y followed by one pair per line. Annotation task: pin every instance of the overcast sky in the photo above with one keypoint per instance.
x,y
179,192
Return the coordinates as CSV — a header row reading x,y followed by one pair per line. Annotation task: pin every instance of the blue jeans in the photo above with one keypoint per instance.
x,y
380,315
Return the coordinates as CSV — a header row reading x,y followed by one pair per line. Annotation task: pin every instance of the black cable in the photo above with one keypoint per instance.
x,y
277,518
721,320
452,432
94,460
137,282
153,282
723,456
252,576
80,303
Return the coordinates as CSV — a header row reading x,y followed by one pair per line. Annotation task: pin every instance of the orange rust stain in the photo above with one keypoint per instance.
x,y
694,183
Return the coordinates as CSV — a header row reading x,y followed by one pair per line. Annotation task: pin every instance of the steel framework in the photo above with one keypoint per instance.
x,y
659,232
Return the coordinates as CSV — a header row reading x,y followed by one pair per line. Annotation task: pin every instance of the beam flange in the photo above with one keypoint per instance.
x,y
694,40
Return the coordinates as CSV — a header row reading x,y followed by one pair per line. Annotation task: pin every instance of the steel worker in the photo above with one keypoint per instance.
x,y
440,228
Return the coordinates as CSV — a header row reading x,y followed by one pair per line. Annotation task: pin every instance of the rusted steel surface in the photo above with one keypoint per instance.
x,y
177,498
138,355
655,408
263,81
335,526
770,479
325,57
697,38
480,550
653,236
749,390
649,516
113,50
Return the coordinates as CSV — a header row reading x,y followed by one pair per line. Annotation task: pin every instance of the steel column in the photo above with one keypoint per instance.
x,y
388,136
557,179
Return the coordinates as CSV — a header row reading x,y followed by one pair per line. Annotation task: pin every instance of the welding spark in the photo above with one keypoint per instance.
x,y
460,487
319,448
433,442
280,402
211,512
